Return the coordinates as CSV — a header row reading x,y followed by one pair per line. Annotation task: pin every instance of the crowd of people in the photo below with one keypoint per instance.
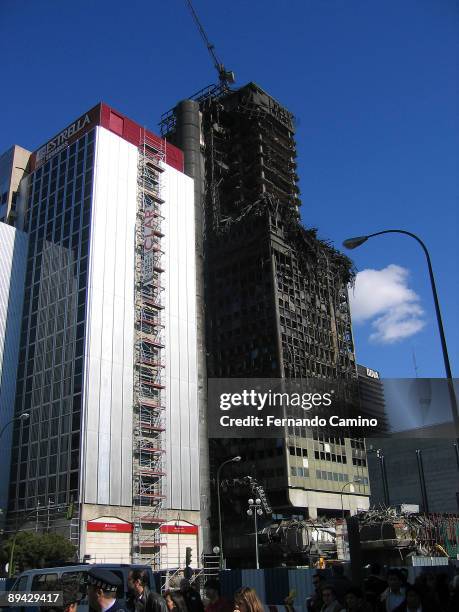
x,y
431,592
392,592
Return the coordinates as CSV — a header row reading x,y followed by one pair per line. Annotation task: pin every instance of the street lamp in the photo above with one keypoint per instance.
x,y
353,243
255,510
22,417
220,534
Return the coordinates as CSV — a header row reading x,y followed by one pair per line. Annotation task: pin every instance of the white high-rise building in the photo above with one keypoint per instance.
x,y
107,366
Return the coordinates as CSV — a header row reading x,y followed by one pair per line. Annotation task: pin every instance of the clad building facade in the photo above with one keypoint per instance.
x,y
107,353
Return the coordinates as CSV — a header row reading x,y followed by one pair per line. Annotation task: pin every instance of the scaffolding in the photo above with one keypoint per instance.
x,y
149,471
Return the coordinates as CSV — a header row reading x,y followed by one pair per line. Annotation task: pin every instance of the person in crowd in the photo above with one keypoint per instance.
x,y
414,601
71,596
315,602
330,599
453,603
340,583
442,588
101,591
217,603
404,576
247,600
394,595
374,585
192,598
141,598
354,601
175,601
434,589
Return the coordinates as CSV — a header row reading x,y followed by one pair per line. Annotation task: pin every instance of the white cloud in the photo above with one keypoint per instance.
x,y
383,298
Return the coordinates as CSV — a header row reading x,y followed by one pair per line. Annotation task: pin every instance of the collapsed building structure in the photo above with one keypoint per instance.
x,y
272,297
391,537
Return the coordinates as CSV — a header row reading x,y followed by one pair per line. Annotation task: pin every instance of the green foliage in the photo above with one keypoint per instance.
x,y
33,550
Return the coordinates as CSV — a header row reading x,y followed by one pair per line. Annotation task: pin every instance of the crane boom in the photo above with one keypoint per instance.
x,y
224,75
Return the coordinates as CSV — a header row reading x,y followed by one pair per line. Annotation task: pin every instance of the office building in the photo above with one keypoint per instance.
x,y
416,470
276,302
107,366
372,403
13,165
13,254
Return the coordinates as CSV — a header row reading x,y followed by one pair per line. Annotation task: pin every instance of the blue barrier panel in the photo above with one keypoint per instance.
x,y
276,585
300,581
232,580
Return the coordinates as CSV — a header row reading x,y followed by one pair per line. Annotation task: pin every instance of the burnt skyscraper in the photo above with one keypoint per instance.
x,y
272,297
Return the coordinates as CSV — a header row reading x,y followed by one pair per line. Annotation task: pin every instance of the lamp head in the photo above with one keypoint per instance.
x,y
24,416
353,243
236,459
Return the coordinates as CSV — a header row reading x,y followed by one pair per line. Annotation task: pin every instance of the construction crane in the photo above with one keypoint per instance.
x,y
226,77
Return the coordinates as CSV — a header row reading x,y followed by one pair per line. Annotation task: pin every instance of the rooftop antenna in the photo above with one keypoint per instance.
x,y
416,370
226,77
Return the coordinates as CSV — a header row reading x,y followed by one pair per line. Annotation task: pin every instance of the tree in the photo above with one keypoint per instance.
x,y
33,550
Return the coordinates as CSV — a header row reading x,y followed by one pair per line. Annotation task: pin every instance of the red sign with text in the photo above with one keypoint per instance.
x,y
186,529
111,527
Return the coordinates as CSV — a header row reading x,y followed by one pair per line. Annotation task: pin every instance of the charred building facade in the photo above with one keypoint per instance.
x,y
272,296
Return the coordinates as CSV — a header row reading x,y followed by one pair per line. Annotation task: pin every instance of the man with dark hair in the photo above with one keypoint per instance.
x,y
394,595
354,601
192,598
72,593
331,603
374,585
315,603
141,598
339,581
217,603
101,592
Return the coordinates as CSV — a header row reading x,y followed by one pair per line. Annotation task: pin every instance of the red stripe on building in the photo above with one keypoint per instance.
x,y
131,131
112,120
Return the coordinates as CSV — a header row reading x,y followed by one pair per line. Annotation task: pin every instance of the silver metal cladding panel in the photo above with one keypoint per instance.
x,y
179,278
108,387
13,258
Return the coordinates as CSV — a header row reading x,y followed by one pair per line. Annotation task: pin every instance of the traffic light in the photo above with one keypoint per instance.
x,y
188,556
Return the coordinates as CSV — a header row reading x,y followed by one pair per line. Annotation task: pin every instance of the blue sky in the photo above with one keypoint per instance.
x,y
373,86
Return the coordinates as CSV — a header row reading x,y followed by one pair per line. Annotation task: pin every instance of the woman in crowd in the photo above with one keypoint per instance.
x,y
175,601
246,600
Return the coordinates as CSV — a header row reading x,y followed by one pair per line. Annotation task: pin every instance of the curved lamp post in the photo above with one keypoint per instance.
x,y
220,534
353,243
22,417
